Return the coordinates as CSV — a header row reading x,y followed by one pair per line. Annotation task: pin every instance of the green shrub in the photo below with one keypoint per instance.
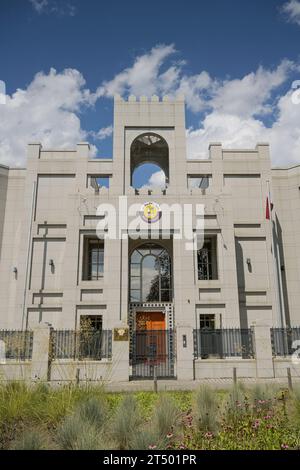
x,y
125,422
93,411
235,404
31,440
262,395
146,438
77,434
206,410
166,416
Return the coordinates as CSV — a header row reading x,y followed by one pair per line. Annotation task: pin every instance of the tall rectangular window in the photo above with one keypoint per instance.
x,y
93,262
207,260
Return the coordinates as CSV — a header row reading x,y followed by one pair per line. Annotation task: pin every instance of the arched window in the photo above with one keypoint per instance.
x,y
150,274
152,150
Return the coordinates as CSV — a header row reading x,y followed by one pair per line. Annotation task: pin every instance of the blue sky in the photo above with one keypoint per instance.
x,y
235,60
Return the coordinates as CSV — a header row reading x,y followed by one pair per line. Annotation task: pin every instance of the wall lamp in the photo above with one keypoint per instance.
x,y
51,263
15,270
249,265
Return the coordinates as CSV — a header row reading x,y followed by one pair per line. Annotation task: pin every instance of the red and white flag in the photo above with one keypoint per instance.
x,y
269,207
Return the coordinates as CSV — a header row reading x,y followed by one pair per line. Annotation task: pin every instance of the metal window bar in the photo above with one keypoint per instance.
x,y
223,343
152,350
95,260
90,344
283,339
16,344
205,263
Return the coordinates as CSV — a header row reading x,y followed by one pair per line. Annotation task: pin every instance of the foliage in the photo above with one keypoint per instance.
x,y
125,422
206,409
70,417
31,440
166,416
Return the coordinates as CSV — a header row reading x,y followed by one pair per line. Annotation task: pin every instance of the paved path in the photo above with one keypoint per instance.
x,y
173,385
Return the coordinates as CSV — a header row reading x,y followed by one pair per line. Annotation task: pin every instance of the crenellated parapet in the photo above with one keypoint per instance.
x,y
153,99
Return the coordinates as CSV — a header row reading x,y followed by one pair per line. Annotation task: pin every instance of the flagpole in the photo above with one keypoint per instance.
x,y
277,272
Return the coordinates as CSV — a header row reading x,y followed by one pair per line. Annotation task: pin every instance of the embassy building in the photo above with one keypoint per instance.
x,y
187,299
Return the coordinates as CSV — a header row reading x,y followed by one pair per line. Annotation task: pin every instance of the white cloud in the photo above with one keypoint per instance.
x,y
249,95
53,6
244,132
47,111
144,77
292,11
156,180
237,109
233,111
103,133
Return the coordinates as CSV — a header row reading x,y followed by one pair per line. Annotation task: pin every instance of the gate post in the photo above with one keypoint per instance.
x,y
40,352
120,355
263,351
185,352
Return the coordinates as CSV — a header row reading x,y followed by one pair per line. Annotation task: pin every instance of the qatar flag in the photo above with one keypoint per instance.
x,y
269,208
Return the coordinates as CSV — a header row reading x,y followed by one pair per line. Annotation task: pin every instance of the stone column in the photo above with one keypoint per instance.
x,y
40,352
263,351
120,355
185,352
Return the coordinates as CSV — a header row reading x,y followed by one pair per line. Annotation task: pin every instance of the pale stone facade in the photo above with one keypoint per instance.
x,y
48,211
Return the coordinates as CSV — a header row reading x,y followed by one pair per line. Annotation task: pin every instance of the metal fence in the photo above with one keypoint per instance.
x,y
89,344
16,344
283,341
232,342
152,354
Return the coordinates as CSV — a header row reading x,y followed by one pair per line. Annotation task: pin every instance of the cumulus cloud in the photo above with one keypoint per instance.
x,y
47,111
156,180
238,112
292,11
144,77
237,116
250,95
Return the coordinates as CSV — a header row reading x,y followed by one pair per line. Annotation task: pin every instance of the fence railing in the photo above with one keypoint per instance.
x,y
233,342
152,353
283,341
88,344
16,344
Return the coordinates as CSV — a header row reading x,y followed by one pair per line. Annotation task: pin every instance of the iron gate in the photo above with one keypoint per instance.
x,y
152,353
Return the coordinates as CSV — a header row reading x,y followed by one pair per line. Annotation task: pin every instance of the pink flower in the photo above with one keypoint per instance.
x,y
182,446
152,446
284,446
267,417
169,435
209,435
256,424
